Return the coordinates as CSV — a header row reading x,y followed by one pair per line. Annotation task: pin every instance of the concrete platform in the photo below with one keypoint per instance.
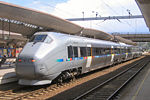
x,y
7,74
138,88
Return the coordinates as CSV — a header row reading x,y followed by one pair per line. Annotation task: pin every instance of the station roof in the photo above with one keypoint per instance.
x,y
123,40
27,21
97,34
144,7
34,19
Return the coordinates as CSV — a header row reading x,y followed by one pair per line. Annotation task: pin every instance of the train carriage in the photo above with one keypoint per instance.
x,y
52,56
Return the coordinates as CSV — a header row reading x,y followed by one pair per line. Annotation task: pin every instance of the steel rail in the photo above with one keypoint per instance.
x,y
123,85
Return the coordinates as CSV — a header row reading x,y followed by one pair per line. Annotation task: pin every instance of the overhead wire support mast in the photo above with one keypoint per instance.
x,y
105,18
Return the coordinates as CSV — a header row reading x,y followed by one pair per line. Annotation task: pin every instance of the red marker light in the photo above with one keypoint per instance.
x,y
32,60
19,60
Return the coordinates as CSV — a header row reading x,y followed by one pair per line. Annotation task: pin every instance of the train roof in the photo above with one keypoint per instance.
x,y
65,37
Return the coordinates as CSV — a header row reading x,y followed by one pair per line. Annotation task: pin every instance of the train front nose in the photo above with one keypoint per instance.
x,y
25,68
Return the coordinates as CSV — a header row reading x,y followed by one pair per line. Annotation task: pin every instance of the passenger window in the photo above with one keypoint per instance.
x,y
97,51
112,50
115,50
102,51
124,50
83,51
88,51
107,51
75,51
70,52
94,51
121,50
129,50
118,51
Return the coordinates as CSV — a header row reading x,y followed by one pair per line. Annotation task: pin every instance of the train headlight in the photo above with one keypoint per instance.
x,y
32,60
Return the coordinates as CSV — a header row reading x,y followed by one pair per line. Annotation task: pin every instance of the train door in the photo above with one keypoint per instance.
x,y
89,56
70,56
112,54
108,55
126,52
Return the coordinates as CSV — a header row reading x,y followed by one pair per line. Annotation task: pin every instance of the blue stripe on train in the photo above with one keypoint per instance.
x,y
80,58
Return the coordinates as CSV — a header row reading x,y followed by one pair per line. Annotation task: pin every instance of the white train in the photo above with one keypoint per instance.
x,y
52,56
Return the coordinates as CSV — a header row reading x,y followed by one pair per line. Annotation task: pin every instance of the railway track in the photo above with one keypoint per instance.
x,y
109,88
31,92
25,92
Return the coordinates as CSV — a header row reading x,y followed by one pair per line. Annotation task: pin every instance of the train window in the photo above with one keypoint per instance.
x,y
70,52
116,50
98,51
75,49
121,50
83,51
88,51
38,38
107,51
124,50
94,52
129,50
102,51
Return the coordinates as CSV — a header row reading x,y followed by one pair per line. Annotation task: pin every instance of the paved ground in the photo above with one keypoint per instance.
x,y
5,70
7,73
139,88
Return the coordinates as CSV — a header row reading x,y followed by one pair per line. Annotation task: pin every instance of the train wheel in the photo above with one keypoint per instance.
x,y
60,80
73,78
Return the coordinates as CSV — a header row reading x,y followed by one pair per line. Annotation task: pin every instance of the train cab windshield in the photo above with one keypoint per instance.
x,y
40,38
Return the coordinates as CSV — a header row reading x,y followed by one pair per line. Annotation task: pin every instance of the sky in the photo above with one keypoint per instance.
x,y
90,8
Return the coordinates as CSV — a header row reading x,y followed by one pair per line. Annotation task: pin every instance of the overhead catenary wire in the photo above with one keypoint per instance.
x,y
64,12
107,5
107,28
